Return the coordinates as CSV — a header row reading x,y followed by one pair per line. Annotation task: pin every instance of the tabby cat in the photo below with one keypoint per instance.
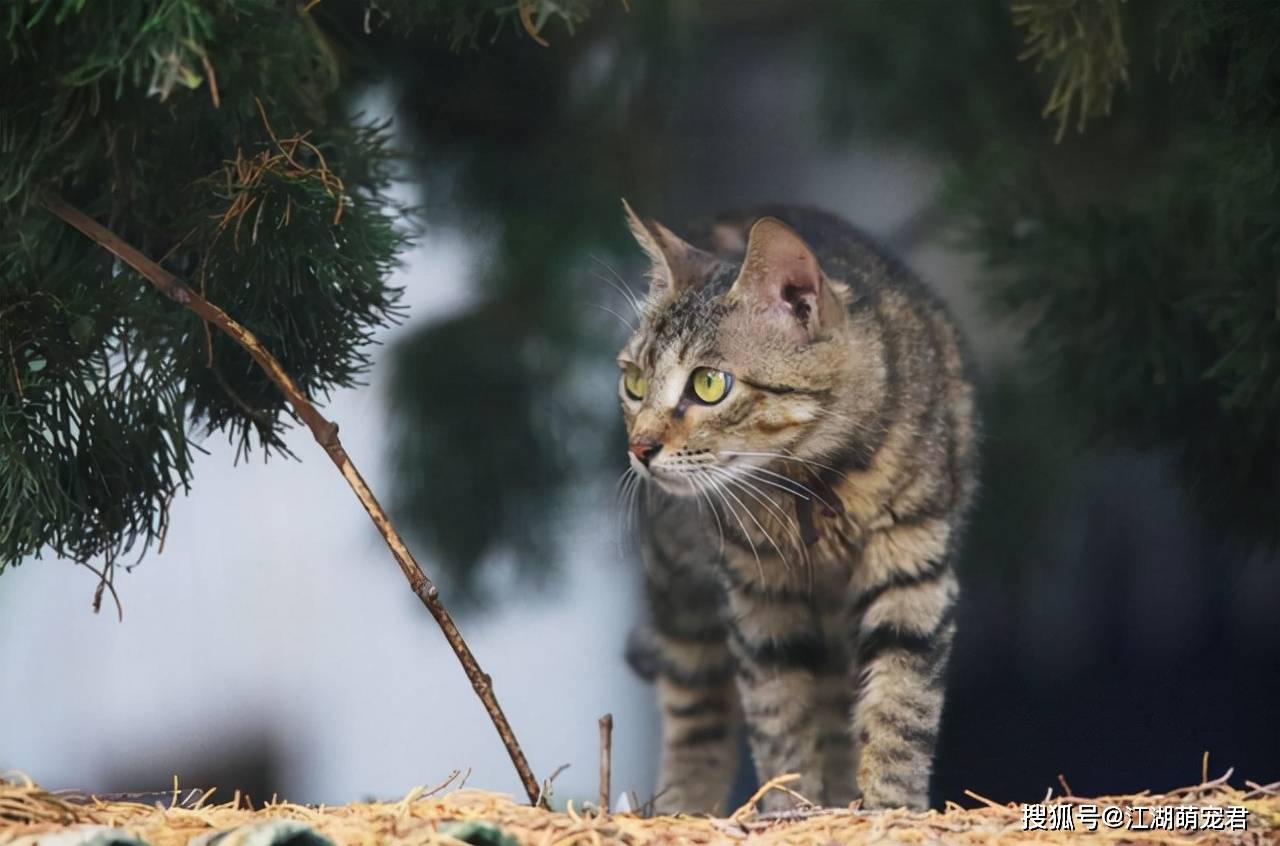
x,y
799,409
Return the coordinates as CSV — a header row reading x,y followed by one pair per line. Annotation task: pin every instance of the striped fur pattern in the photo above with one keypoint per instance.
x,y
799,535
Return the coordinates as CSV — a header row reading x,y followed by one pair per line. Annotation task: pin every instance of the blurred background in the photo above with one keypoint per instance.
x,y
1121,586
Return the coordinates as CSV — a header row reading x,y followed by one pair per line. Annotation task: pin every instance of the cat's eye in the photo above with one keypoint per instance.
x,y
710,385
635,383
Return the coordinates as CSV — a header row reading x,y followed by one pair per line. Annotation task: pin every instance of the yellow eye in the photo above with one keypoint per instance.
x,y
634,382
710,385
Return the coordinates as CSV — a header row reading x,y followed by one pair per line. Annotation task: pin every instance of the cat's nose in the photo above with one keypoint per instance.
x,y
645,450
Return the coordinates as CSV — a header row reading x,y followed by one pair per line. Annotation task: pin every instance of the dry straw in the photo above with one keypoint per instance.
x,y
431,816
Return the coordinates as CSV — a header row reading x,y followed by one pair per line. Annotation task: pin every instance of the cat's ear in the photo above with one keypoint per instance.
x,y
782,281
675,265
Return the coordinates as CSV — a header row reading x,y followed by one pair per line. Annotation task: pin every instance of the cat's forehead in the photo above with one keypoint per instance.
x,y
689,324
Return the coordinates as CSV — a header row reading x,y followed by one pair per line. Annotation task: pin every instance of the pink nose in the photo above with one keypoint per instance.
x,y
645,450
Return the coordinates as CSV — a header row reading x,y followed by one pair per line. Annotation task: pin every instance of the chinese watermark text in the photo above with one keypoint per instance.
x,y
1084,816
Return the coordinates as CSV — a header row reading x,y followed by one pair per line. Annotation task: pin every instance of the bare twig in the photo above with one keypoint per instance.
x,y
441,786
606,760
1272,789
1206,785
793,814
106,579
650,806
547,782
325,433
776,783
526,20
213,80
984,800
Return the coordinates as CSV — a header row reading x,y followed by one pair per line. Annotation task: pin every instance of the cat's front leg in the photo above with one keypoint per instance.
x,y
780,655
699,744
903,595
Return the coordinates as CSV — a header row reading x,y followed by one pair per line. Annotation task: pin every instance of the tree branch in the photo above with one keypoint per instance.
x,y
606,761
325,433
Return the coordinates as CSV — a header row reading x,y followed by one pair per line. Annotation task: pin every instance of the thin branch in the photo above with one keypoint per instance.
x,y
606,760
544,796
325,433
526,20
1206,784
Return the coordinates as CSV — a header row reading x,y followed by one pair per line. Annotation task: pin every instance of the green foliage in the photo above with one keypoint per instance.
x,y
478,468
306,255
497,414
1141,257
92,425
1084,40
465,21
210,135
1030,472
1140,254
949,79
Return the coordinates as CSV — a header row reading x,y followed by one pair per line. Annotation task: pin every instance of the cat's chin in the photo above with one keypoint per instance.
x,y
674,485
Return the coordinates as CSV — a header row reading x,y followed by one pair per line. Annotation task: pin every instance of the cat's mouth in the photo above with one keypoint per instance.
x,y
684,474
673,480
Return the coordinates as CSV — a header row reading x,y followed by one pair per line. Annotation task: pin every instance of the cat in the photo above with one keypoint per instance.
x,y
801,411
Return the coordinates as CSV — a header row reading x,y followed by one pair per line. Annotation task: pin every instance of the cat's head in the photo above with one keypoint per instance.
x,y
733,363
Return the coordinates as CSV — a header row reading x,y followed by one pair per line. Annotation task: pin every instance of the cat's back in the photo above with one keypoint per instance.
x,y
845,251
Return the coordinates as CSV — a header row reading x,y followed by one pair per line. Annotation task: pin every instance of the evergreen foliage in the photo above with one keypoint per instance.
x,y
217,137
211,136
467,23
1085,41
1141,256
495,430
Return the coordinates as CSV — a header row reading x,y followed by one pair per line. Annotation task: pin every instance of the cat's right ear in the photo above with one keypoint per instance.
x,y
783,282
674,264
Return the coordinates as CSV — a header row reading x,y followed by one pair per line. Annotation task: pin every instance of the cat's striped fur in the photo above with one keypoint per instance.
x,y
800,533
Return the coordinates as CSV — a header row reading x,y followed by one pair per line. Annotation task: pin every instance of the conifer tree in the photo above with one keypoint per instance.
x,y
208,150
216,137
1116,168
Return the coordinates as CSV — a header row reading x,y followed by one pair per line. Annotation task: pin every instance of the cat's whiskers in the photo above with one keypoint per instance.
x,y
805,492
765,498
702,494
623,491
792,457
789,523
633,504
620,495
729,485
630,326
753,481
778,480
719,491
800,545
624,479
727,491
620,286
784,520
745,479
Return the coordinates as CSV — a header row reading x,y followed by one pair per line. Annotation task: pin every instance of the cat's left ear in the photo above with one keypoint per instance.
x,y
675,264
782,281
